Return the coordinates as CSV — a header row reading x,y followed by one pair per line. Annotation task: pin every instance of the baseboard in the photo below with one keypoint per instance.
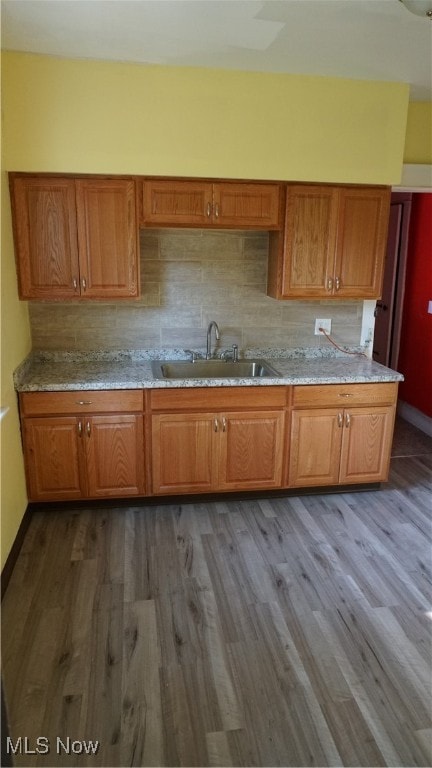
x,y
15,550
415,417
200,498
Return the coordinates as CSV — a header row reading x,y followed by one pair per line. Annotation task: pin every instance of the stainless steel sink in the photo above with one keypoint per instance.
x,y
212,369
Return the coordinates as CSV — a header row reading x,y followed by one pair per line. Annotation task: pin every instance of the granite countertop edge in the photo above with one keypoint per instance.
x,y
40,373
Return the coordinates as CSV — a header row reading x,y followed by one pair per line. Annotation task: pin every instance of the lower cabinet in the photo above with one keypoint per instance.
x,y
90,444
341,445
85,455
202,452
53,458
184,454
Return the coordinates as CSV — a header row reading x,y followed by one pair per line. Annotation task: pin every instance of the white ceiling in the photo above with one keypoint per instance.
x,y
360,39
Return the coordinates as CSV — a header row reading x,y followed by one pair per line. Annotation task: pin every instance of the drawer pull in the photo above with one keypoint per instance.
x,y
224,424
88,429
83,402
329,284
80,429
215,425
208,210
337,283
347,419
217,210
346,394
340,419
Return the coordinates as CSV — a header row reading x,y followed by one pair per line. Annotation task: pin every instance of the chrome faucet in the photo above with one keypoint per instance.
x,y
211,325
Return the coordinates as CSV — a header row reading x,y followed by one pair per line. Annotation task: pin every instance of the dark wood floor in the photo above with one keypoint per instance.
x,y
290,632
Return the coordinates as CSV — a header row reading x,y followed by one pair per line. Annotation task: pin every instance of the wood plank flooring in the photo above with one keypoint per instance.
x,y
287,632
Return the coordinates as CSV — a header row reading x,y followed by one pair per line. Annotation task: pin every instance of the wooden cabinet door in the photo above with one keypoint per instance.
x,y
310,240
53,458
361,242
45,233
184,453
316,436
108,238
366,444
176,203
115,455
246,205
251,450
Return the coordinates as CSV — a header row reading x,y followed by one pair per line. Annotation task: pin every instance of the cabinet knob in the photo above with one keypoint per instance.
x,y
337,283
75,284
208,210
330,284
84,284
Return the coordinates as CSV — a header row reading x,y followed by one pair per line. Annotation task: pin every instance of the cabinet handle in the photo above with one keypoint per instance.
x,y
88,429
345,394
330,284
347,419
224,424
340,419
83,402
208,210
75,284
215,425
217,210
337,283
80,429
84,284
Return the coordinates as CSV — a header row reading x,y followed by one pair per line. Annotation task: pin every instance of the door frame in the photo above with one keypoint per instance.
x,y
396,277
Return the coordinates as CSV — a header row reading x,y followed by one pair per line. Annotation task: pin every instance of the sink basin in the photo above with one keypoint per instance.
x,y
212,369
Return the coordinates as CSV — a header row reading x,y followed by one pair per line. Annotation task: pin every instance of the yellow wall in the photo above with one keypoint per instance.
x,y
15,346
93,116
418,142
98,116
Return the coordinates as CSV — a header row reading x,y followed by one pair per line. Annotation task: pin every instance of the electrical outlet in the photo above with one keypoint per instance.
x,y
326,324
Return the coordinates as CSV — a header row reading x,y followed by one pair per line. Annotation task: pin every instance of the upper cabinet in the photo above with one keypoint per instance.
x,y
78,237
75,238
334,244
240,205
363,217
45,229
107,237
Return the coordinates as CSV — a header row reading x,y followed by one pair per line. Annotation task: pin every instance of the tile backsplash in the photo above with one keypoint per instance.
x,y
190,277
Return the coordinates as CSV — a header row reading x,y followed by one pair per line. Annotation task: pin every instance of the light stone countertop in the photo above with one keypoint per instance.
x,y
57,372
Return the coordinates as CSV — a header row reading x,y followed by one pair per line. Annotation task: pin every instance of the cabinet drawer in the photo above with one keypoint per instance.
x,y
218,398
344,395
81,401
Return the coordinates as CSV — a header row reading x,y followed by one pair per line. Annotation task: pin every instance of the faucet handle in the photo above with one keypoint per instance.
x,y
193,354
233,353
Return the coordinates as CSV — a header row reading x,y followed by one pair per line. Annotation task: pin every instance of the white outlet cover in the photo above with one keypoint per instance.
x,y
326,324
430,307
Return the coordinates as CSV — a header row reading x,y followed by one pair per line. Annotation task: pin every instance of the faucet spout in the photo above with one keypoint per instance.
x,y
212,325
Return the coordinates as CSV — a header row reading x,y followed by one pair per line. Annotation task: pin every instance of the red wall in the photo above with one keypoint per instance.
x,y
415,355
